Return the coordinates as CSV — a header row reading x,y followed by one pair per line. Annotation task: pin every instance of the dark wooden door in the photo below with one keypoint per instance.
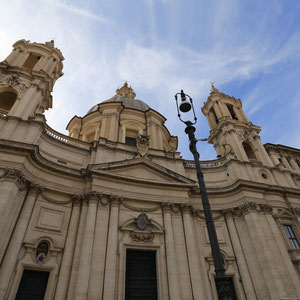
x,y
33,285
141,280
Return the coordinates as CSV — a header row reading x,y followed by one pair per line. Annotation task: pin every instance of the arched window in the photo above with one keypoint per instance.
x,y
249,151
7,100
231,111
31,61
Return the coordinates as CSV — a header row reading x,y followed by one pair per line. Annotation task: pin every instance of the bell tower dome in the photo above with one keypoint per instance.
x,y
230,130
27,77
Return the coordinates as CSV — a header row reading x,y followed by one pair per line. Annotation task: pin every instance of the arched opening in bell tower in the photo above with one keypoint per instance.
x,y
31,61
7,100
213,116
249,151
232,112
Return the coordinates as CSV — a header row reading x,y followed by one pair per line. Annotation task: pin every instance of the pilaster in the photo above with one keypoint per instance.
x,y
172,269
109,291
10,259
66,264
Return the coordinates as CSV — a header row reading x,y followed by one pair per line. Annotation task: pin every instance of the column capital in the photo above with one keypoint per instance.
x,y
167,207
92,196
34,189
76,199
228,212
115,200
186,208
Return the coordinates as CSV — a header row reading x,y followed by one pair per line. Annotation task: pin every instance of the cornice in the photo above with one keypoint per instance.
x,y
32,151
245,184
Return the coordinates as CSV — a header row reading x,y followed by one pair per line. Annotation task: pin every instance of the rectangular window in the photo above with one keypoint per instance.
x,y
291,236
33,285
141,280
130,141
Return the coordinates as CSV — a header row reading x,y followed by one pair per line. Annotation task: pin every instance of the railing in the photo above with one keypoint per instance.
x,y
65,139
206,163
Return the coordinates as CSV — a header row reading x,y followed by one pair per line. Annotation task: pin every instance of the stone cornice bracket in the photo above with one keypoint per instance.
x,y
115,200
16,176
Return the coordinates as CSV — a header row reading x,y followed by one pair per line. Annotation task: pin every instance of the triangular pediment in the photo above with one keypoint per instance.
x,y
141,169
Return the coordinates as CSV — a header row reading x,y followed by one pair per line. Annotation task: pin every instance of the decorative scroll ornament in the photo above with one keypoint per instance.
x,y
142,144
141,237
142,221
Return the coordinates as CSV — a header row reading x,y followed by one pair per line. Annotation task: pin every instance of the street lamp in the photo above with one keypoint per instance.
x,y
222,281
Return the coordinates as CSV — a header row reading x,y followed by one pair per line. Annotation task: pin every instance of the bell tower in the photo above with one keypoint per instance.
x,y
231,133
27,77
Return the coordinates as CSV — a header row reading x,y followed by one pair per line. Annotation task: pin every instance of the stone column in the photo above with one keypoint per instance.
x,y
112,248
294,164
10,259
77,252
197,282
21,58
87,248
239,254
103,132
99,251
174,289
66,264
12,56
11,183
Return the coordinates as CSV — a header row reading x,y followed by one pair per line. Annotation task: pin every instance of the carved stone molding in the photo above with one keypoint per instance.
x,y
295,210
140,209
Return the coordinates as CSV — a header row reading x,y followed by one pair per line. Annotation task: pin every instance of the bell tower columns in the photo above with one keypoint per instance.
x,y
231,133
27,77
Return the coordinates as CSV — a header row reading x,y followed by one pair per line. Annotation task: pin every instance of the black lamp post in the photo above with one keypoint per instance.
x,y
222,281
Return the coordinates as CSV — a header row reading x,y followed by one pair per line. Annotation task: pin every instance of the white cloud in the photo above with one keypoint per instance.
x,y
76,10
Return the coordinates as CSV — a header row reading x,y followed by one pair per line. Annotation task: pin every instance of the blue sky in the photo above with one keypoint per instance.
x,y
250,49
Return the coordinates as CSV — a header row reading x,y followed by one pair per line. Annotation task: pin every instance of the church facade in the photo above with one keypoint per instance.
x,y
113,212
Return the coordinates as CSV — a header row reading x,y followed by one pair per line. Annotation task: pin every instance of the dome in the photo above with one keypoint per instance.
x,y
126,96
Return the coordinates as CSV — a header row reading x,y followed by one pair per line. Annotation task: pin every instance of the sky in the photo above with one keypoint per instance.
x,y
250,49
